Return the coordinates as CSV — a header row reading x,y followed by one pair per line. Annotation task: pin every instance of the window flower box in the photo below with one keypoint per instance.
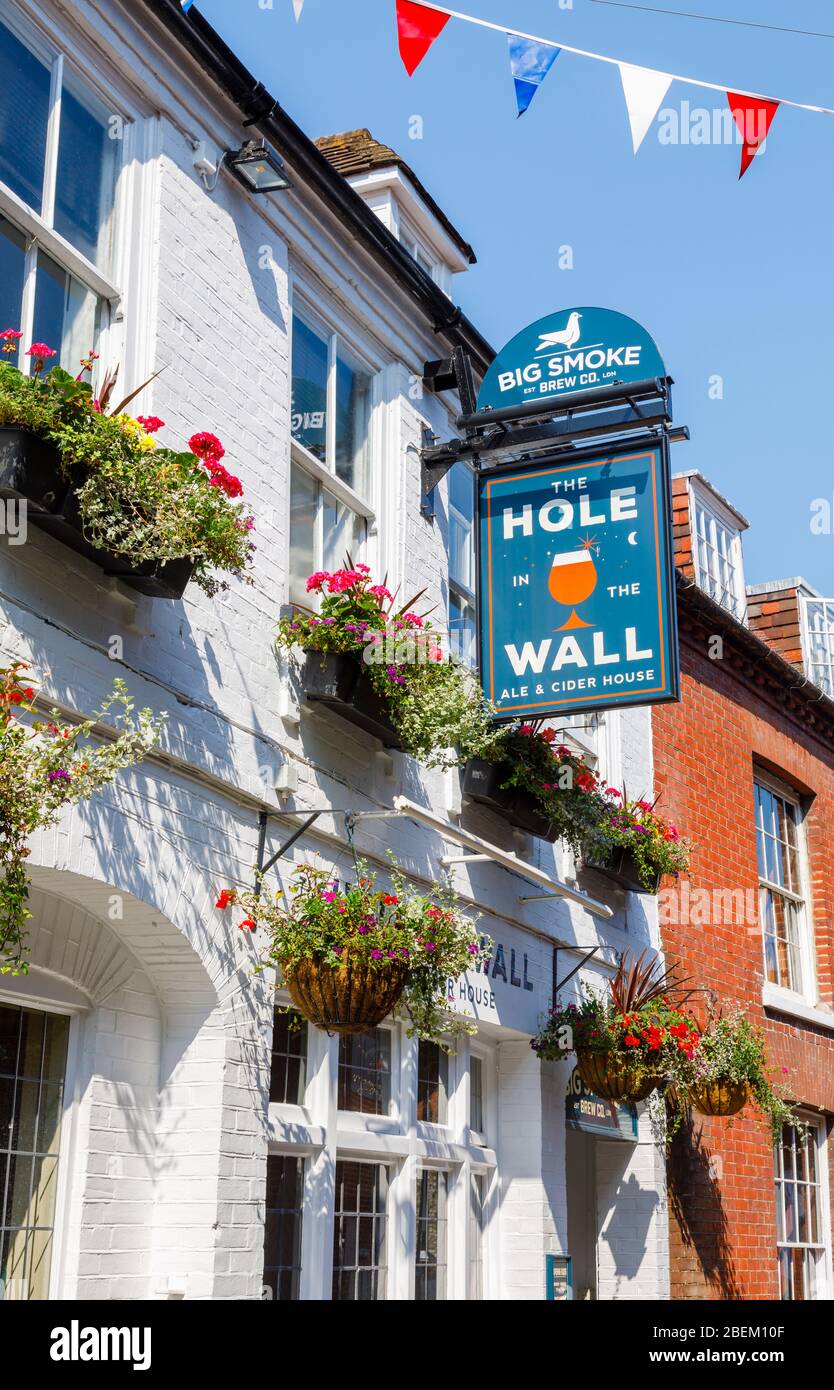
x,y
621,869
30,470
340,681
482,783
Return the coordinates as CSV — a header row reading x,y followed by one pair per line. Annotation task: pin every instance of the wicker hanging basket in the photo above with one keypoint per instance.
x,y
719,1097
350,999
607,1076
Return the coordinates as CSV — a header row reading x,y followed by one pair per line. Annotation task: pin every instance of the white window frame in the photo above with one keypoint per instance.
x,y
37,227
67,1145
823,682
818,1137
718,519
417,249
774,993
457,588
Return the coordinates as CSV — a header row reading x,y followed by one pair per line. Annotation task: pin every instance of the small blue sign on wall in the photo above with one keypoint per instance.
x,y
577,584
574,350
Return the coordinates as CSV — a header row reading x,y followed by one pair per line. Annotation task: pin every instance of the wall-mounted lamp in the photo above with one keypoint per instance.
x,y
258,168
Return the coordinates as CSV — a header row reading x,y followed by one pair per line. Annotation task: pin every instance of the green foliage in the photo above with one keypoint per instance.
x,y
44,767
137,499
332,922
734,1050
435,705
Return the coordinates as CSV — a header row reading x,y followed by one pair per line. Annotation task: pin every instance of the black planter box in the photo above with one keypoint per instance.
x,y
30,470
341,682
482,783
621,868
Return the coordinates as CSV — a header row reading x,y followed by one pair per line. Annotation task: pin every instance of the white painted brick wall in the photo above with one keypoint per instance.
x,y
166,1142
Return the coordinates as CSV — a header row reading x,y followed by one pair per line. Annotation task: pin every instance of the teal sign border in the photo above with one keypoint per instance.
x,y
575,350
630,483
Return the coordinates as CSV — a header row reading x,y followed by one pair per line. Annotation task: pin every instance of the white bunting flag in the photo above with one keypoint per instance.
x,y
298,6
644,90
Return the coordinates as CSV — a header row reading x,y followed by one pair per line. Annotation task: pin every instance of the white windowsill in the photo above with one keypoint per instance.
x,y
334,485
787,1003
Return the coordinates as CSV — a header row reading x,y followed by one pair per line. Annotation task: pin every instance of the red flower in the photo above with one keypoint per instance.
x,y
40,350
631,1041
150,423
248,924
527,730
389,899
207,447
222,478
548,735
226,898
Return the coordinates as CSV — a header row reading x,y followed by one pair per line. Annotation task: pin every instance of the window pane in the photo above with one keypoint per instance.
x,y
430,1281
476,1095
32,1045
462,636
67,314
86,181
289,1057
365,1072
12,271
24,113
344,532
302,534
461,525
282,1226
432,1083
353,413
477,1212
309,389
359,1231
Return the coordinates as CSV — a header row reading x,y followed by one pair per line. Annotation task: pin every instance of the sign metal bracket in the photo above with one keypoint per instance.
x,y
559,984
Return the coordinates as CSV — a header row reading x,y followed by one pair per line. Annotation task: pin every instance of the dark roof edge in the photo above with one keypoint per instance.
x,y
757,664
253,100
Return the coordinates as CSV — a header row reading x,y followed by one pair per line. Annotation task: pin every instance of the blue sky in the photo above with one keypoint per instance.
x,y
733,279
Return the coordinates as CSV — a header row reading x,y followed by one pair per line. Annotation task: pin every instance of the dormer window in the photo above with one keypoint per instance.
x,y
716,549
818,641
416,251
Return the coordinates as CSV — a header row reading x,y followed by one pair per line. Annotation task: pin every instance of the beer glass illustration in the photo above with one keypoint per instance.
x,y
573,578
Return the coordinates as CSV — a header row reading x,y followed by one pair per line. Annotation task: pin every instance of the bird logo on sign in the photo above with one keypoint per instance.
x,y
565,337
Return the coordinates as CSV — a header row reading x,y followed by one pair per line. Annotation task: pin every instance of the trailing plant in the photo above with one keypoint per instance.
x,y
654,842
43,767
137,498
734,1051
335,922
433,702
594,819
640,1023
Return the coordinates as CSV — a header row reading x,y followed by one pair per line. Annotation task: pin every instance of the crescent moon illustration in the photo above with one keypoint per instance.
x,y
632,538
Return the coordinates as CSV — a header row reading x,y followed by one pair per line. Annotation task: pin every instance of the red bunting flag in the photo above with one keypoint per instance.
x,y
418,28
753,116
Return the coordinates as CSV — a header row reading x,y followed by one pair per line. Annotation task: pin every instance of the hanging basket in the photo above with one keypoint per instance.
x,y
607,1076
721,1097
350,999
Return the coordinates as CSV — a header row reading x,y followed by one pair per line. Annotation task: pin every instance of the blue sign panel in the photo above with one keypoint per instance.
x,y
575,350
577,591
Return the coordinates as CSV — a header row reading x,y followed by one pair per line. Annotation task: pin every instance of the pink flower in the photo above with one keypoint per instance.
x,y
376,955
10,339
40,350
317,580
329,897
364,569
526,730
413,619
612,791
379,591
343,579
150,423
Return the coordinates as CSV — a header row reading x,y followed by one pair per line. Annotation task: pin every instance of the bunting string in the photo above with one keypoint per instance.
x,y
439,10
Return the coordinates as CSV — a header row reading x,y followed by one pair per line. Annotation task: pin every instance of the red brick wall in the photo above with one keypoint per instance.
x,y
775,618
722,1205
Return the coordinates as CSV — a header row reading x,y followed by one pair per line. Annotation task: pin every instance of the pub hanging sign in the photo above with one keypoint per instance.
x,y
577,583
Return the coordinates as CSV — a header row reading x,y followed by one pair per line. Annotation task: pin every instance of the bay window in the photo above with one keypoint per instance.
x,y
331,482
60,155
